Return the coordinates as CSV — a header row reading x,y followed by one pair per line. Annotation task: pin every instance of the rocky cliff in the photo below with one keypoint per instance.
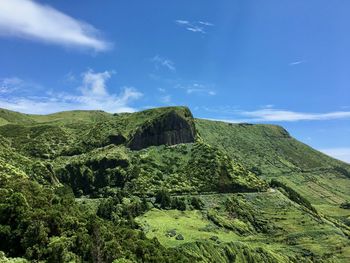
x,y
170,128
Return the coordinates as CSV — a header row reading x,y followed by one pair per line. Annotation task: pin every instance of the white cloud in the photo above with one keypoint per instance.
x,y
338,153
9,85
205,23
165,99
95,83
92,95
269,114
31,20
197,88
295,63
196,27
163,62
182,22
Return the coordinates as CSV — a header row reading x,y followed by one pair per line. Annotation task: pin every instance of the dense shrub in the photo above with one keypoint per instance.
x,y
178,203
293,195
163,198
197,203
345,205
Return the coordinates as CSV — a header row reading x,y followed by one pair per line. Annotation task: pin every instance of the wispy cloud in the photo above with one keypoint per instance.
x,y
189,87
9,85
182,22
166,99
197,88
295,63
163,62
91,95
13,85
269,114
205,23
338,153
70,77
196,27
31,20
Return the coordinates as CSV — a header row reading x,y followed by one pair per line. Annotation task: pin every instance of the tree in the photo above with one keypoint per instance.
x,y
178,203
163,198
107,207
35,240
197,203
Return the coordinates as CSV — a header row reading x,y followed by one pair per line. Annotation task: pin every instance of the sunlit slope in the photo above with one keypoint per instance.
x,y
266,150
76,132
241,224
271,152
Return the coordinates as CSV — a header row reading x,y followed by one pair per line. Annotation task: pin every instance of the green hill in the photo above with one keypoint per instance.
x,y
272,153
161,186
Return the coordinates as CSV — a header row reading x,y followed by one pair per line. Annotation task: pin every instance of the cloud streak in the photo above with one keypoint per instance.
x,y
91,95
30,20
196,27
280,115
163,62
13,85
206,23
269,114
9,85
197,88
295,63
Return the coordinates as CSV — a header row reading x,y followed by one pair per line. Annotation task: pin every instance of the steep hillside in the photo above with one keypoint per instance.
x,y
267,147
270,152
161,186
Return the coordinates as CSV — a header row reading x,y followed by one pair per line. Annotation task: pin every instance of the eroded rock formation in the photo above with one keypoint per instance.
x,y
168,129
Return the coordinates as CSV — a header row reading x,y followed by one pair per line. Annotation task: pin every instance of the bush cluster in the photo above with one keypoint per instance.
x,y
42,224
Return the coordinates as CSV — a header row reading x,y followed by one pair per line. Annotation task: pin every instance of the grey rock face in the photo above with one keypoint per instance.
x,y
168,129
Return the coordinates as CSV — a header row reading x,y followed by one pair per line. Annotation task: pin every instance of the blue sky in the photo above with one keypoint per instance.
x,y
284,62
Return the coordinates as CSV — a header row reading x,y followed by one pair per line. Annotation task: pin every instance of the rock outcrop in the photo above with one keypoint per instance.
x,y
170,128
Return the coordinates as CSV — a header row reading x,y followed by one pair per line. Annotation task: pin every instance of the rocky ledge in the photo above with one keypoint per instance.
x,y
170,128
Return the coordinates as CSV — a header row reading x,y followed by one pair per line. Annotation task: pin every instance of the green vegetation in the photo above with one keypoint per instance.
x,y
43,224
270,152
160,186
293,195
268,222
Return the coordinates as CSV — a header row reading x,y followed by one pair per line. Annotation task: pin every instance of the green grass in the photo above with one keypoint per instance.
x,y
271,152
191,224
293,230
228,167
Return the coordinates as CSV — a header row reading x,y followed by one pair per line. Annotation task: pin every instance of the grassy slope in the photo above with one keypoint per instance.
x,y
71,132
265,149
292,230
270,150
29,143
83,135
